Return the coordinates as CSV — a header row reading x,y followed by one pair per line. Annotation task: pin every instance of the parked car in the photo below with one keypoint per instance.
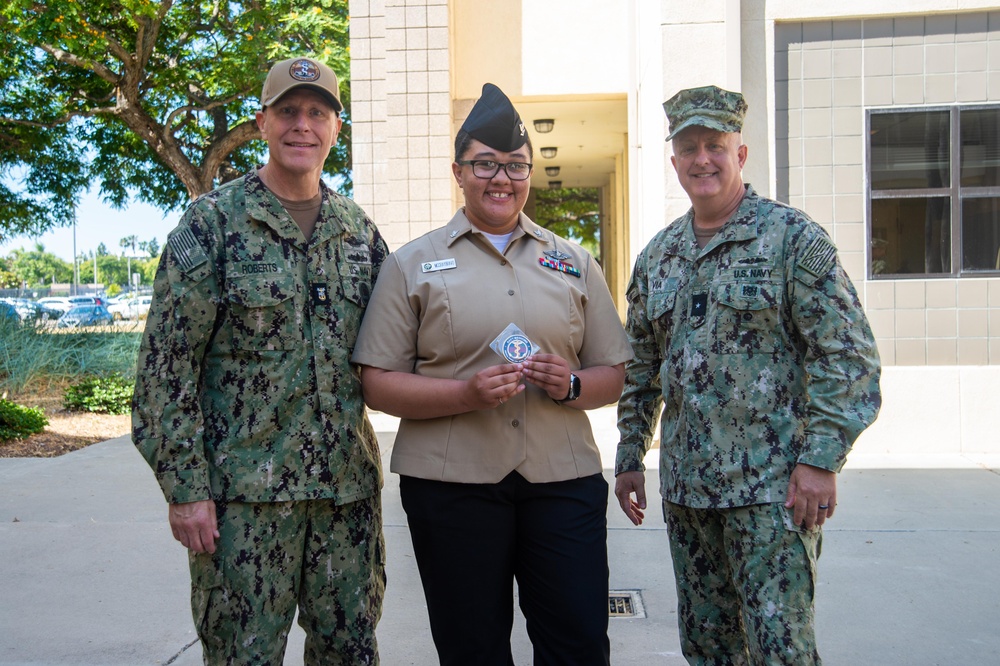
x,y
8,314
58,303
48,313
27,311
33,311
85,315
132,308
86,300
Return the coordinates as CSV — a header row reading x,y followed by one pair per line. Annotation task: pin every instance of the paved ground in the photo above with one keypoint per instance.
x,y
909,575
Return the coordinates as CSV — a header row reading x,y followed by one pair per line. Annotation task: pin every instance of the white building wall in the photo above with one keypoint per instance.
x,y
587,58
646,128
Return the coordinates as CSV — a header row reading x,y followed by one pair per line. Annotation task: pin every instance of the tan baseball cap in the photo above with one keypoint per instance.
x,y
300,73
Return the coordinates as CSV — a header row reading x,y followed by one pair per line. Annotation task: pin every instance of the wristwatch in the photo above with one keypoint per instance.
x,y
574,389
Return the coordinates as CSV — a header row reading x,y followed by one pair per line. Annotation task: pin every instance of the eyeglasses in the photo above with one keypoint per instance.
x,y
489,168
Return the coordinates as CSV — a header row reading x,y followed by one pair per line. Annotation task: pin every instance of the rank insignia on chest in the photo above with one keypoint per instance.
x,y
560,266
699,307
699,303
320,295
556,255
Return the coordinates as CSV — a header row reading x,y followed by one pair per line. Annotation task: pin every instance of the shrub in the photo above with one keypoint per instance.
x,y
109,393
17,421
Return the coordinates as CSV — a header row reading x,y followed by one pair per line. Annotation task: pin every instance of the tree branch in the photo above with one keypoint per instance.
x,y
77,61
220,149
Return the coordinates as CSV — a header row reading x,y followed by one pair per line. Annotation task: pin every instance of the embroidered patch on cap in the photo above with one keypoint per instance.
x,y
304,70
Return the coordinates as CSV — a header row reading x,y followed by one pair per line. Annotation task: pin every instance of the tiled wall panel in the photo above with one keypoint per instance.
x,y
401,50
827,73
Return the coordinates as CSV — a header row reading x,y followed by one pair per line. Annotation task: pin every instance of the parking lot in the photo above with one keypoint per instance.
x,y
77,312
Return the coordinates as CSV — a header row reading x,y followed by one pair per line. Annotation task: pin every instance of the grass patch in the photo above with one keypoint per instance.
x,y
37,359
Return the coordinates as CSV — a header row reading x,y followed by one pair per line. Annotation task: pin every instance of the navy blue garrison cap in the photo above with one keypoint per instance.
x,y
495,122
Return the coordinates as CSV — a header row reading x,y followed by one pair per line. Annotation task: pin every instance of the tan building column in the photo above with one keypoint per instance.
x,y
401,124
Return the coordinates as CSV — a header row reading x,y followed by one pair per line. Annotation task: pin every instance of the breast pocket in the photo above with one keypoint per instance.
x,y
354,290
747,318
262,313
660,304
356,283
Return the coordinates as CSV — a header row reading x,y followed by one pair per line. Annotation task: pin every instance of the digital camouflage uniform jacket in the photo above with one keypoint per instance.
x,y
244,388
758,350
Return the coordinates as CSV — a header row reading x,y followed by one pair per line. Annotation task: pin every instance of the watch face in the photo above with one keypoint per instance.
x,y
574,388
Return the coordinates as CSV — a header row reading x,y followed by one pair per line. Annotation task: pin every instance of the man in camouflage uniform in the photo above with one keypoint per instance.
x,y
749,334
247,407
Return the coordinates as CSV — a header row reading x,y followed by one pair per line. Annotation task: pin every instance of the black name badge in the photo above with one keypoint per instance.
x,y
320,293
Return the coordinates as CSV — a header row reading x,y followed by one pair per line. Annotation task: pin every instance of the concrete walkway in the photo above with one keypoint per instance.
x,y
909,575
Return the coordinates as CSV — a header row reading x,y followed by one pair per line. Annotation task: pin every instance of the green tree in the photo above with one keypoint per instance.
x,y
38,267
102,250
573,213
7,278
151,98
147,268
112,269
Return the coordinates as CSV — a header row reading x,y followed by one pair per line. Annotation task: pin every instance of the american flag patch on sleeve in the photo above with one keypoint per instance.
x,y
819,257
185,249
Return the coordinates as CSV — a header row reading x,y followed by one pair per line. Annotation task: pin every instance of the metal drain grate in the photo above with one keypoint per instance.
x,y
625,603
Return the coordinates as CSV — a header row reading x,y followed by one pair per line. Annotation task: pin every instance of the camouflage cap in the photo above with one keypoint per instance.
x,y
709,106
300,73
494,121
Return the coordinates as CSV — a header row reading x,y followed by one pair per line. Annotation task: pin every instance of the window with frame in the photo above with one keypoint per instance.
x,y
934,192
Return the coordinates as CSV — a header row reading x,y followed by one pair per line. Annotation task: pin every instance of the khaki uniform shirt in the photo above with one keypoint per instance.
x,y
758,350
245,390
438,321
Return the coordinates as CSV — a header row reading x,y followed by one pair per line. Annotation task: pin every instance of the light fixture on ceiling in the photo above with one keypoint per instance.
x,y
544,125
551,171
549,152
555,184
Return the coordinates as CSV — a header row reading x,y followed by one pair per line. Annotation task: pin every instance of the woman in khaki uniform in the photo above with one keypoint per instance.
x,y
500,475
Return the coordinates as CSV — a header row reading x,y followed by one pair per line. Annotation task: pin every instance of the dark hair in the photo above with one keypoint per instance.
x,y
463,139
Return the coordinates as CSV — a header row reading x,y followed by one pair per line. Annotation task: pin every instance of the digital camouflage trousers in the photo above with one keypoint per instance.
x,y
327,561
746,579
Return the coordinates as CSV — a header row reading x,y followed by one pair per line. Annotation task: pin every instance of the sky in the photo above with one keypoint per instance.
x,y
97,222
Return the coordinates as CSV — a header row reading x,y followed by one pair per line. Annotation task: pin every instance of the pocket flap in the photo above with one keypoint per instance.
x,y
660,303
